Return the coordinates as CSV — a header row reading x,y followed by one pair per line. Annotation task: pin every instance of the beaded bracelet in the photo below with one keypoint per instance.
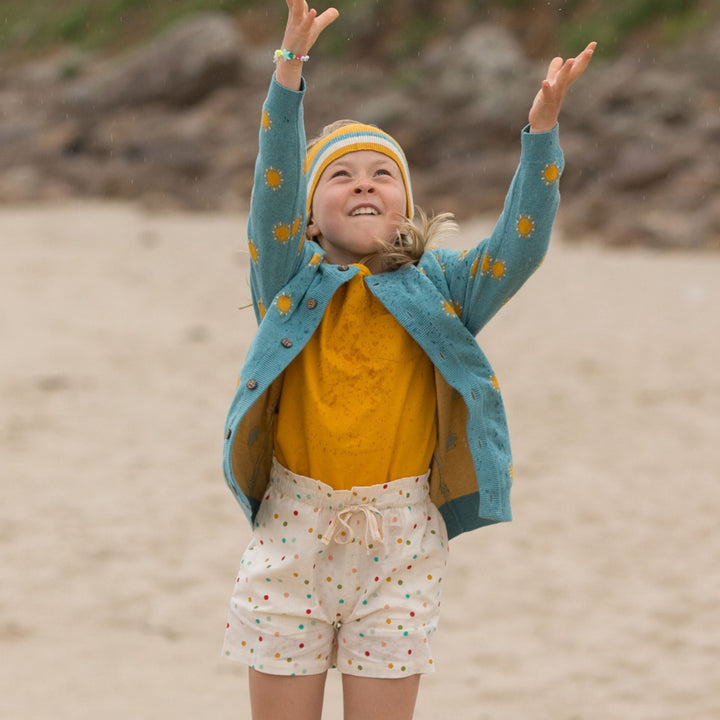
x,y
287,55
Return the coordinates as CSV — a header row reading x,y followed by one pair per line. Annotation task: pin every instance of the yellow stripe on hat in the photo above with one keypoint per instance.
x,y
352,138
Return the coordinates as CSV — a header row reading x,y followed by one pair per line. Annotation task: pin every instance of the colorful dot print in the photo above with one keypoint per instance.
x,y
348,579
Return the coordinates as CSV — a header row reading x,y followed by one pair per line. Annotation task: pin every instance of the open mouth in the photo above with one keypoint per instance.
x,y
365,210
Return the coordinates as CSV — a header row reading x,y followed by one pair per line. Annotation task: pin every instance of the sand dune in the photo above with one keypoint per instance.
x,y
121,341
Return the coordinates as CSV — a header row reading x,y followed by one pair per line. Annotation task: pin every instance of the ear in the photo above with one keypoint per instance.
x,y
311,229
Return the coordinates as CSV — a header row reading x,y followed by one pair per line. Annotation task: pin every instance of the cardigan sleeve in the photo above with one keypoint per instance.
x,y
276,225
480,281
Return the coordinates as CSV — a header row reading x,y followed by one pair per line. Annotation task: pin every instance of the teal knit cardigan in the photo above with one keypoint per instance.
x,y
443,302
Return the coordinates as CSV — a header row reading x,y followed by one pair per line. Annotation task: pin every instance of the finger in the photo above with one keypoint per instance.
x,y
562,77
326,18
297,10
546,92
308,18
555,65
552,93
300,7
582,61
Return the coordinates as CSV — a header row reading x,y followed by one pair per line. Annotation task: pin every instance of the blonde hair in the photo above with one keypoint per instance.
x,y
412,238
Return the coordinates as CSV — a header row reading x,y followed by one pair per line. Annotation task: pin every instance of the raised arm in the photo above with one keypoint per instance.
x,y
481,280
277,211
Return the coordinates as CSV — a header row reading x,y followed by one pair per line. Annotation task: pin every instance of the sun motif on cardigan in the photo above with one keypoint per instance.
x,y
525,226
550,173
283,303
281,232
274,178
253,251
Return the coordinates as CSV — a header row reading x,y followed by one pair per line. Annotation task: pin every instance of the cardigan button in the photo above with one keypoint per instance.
x,y
311,303
343,268
228,434
251,384
286,342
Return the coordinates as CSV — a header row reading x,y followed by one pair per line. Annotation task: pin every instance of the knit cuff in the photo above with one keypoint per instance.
x,y
277,89
538,146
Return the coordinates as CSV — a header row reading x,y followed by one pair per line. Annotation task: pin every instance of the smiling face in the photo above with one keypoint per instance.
x,y
360,198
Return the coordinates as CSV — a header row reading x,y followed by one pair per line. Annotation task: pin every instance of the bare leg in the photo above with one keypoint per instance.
x,y
286,697
379,698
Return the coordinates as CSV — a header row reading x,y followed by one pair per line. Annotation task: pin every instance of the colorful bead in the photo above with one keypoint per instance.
x,y
286,55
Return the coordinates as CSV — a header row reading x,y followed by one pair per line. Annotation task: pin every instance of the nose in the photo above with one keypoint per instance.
x,y
364,185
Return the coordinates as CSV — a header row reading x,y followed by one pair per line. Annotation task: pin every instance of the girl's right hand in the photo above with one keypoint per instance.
x,y
303,28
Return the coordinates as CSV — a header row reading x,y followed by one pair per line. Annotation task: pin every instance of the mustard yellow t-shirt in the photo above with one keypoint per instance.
x,y
358,404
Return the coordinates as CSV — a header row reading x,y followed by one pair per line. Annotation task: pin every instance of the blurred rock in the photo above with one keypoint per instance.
x,y
175,125
640,164
485,75
181,67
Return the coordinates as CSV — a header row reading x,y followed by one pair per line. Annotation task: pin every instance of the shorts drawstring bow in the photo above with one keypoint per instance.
x,y
373,530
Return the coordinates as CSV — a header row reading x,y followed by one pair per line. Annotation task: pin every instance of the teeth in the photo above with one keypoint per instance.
x,y
365,211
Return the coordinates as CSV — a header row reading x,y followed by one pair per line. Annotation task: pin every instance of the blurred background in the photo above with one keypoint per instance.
x,y
158,101
128,134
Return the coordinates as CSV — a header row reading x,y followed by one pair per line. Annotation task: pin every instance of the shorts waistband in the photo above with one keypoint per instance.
x,y
403,491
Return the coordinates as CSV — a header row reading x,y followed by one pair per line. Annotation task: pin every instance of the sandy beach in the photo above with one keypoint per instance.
x,y
122,335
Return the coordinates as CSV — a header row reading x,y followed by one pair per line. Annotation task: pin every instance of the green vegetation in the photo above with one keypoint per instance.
x,y
662,21
35,26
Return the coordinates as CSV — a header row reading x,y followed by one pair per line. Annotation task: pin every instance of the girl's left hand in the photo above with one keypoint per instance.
x,y
560,76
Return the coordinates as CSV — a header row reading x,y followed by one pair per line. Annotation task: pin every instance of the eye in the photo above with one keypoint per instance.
x,y
340,173
383,171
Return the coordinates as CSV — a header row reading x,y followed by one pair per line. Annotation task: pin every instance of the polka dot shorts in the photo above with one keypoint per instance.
x,y
339,578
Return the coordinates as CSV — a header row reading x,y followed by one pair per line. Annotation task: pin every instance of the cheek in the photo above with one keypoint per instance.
x,y
324,204
400,205
399,199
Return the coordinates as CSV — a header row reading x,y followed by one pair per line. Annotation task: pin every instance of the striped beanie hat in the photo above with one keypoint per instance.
x,y
351,138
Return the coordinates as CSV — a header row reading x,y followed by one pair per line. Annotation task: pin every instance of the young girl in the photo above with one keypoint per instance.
x,y
367,426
